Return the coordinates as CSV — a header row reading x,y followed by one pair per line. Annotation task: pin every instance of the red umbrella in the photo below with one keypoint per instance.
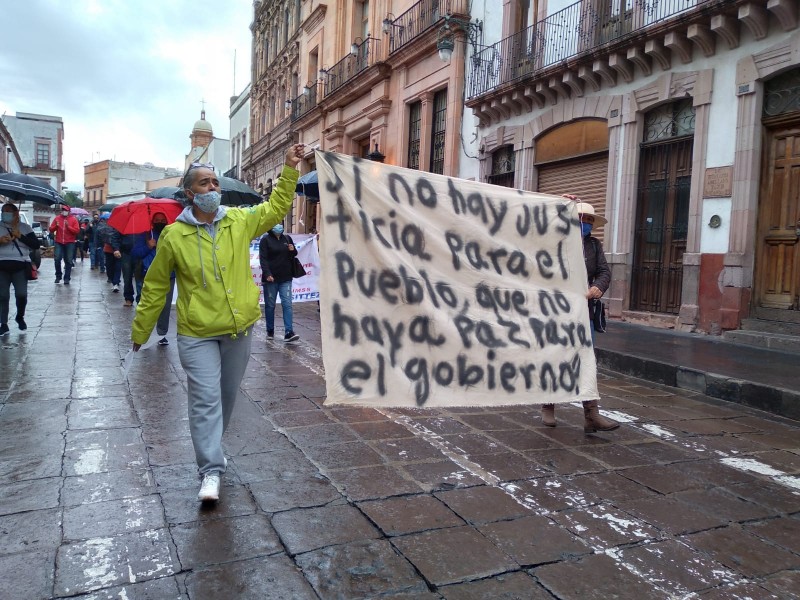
x,y
136,216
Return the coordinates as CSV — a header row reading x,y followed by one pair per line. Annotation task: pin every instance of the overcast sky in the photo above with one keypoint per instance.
x,y
127,77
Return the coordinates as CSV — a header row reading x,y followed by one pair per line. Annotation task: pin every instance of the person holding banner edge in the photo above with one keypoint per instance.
x,y
208,249
599,276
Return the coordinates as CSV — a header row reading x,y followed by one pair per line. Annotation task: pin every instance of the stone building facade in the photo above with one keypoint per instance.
x,y
362,78
680,121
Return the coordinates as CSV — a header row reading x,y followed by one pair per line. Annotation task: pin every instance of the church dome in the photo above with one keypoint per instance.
x,y
202,125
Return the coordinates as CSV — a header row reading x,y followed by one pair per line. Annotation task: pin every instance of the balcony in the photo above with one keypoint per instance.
x,y
414,22
581,32
579,50
362,56
233,172
304,103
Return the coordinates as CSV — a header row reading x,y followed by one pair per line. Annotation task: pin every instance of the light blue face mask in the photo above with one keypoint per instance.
x,y
586,229
208,202
278,229
8,217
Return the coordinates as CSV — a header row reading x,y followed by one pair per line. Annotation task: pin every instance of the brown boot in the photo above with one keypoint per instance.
x,y
594,421
549,415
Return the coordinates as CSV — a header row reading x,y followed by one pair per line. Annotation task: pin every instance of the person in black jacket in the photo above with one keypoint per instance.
x,y
599,280
96,245
132,278
276,253
112,243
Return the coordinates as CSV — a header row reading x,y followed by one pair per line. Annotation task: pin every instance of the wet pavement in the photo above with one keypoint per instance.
x,y
758,377
691,498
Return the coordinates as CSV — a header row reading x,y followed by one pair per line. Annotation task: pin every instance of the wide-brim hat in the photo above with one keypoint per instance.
x,y
584,208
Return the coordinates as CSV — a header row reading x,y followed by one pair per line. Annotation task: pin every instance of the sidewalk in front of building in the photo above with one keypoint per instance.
x,y
690,498
765,379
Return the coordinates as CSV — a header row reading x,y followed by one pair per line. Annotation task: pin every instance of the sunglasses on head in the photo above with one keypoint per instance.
x,y
197,165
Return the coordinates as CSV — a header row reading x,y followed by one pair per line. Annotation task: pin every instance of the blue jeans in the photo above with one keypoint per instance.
x,y
67,253
271,291
99,257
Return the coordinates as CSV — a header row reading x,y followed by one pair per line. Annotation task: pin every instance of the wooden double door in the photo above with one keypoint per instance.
x,y
662,222
778,250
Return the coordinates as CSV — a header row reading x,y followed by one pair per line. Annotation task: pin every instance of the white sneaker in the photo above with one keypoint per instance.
x,y
209,489
114,288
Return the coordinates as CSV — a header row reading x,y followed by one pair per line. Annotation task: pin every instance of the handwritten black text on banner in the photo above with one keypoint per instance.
x,y
443,292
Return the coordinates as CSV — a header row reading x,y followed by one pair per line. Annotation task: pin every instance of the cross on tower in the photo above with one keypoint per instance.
x,y
203,109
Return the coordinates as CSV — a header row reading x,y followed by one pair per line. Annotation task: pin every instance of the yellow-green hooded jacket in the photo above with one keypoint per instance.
x,y
216,291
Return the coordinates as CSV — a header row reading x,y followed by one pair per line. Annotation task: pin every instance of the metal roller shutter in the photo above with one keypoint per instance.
x,y
586,177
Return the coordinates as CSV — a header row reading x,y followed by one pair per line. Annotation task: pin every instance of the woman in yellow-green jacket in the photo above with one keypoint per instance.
x,y
208,248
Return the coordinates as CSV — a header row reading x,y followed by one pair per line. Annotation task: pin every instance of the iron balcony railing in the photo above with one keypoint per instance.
x,y
304,102
416,21
233,172
579,28
351,65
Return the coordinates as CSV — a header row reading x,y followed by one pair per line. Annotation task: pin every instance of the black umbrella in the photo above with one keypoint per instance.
x,y
308,185
234,192
24,187
168,191
107,207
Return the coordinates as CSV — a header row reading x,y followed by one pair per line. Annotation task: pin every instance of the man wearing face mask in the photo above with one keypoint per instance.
x,y
144,252
599,280
65,227
208,248
276,254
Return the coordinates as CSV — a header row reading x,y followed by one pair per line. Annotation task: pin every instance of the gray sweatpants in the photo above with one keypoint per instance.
x,y
214,369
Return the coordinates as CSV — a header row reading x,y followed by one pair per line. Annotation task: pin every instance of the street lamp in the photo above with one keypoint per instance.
x,y
288,104
358,43
388,23
445,42
445,47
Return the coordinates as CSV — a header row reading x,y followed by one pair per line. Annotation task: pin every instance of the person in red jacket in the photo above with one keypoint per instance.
x,y
65,227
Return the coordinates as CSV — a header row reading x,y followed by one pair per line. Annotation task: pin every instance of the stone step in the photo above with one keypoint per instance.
x,y
761,339
769,326
776,314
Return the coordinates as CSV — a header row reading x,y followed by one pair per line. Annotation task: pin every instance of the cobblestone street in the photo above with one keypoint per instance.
x,y
691,498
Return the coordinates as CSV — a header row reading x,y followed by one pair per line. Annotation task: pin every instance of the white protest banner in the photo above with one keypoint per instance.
x,y
444,292
304,289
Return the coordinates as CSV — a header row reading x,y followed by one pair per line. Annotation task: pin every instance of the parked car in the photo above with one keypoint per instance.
x,y
41,233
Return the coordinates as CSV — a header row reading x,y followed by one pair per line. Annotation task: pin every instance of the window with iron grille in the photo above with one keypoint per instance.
x,y
782,94
438,133
42,154
669,121
414,126
503,167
